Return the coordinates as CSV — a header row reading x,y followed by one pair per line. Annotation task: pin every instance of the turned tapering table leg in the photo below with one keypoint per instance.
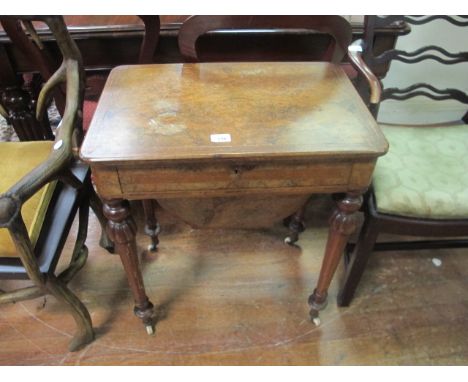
x,y
121,229
343,222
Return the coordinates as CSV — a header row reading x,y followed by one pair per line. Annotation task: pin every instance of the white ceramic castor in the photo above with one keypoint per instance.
x,y
149,329
316,321
290,241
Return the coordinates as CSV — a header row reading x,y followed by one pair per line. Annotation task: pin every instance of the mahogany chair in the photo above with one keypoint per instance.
x,y
336,30
42,188
336,39
20,105
420,187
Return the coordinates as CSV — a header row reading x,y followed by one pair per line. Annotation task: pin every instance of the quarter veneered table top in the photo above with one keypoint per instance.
x,y
165,112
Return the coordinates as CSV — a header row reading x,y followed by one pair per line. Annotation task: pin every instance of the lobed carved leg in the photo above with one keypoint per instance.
x,y
296,225
121,228
343,222
152,226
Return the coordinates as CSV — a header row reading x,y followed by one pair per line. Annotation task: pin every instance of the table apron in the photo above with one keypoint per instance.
x,y
223,179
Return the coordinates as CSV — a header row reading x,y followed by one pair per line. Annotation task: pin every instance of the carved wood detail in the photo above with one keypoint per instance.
x,y
343,222
122,229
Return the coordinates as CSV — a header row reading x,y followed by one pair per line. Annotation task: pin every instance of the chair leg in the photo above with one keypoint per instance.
x,y
152,228
96,205
80,251
57,285
84,333
358,261
465,118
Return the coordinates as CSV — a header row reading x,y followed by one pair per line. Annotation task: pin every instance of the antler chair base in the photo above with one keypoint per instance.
x,y
64,203
43,186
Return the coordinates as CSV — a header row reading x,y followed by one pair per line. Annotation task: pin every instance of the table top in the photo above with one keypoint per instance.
x,y
169,112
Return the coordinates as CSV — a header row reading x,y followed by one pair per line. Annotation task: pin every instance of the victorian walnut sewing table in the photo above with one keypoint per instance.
x,y
176,131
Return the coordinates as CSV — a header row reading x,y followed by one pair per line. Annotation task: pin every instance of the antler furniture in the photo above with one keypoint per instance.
x,y
43,185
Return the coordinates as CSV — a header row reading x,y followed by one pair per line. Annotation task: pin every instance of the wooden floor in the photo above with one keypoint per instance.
x,y
239,298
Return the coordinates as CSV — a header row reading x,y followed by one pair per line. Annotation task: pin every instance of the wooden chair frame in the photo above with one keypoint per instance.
x,y
357,255
73,192
335,26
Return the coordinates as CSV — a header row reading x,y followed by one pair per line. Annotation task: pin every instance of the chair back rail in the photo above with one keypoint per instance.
x,y
22,33
425,53
196,26
150,38
460,21
426,90
427,216
444,57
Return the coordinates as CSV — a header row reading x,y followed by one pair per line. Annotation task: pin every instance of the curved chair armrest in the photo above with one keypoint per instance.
x,y
150,39
355,55
57,161
46,172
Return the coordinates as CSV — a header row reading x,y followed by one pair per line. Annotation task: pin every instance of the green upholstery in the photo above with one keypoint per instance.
x,y
16,160
425,172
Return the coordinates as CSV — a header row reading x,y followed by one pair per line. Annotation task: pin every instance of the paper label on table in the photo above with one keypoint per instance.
x,y
219,138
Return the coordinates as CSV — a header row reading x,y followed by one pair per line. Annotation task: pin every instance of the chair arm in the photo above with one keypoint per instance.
x,y
62,153
355,55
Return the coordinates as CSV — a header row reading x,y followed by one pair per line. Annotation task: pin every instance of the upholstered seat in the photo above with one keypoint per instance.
x,y
425,172
12,170
420,188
